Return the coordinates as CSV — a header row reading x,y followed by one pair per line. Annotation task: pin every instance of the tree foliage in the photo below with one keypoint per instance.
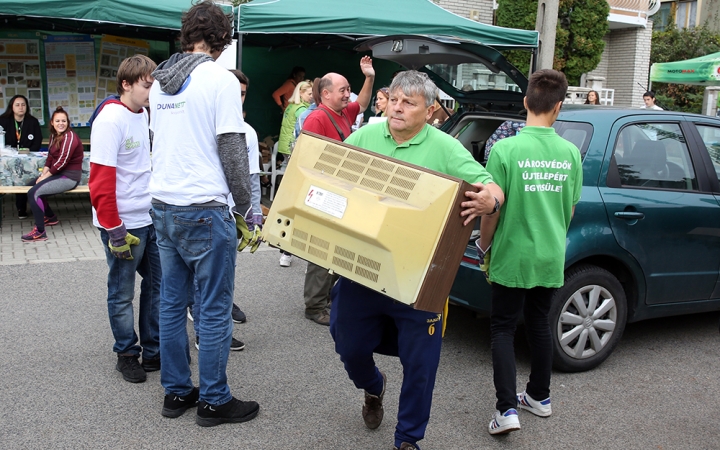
x,y
579,44
675,44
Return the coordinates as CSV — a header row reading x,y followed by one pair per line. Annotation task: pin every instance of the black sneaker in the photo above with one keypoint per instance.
x,y
406,446
237,315
372,411
22,215
236,345
234,411
151,365
129,366
176,405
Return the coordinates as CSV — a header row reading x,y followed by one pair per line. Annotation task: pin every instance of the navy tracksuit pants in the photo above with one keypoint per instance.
x,y
363,322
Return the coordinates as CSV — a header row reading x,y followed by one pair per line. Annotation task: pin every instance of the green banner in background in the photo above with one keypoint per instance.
x,y
702,71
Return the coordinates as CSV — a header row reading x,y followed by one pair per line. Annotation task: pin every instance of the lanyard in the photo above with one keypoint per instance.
x,y
18,130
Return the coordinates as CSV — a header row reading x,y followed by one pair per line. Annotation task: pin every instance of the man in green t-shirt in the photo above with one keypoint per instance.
x,y
541,175
362,321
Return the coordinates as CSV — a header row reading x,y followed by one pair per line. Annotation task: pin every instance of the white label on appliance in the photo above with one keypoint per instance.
x,y
326,201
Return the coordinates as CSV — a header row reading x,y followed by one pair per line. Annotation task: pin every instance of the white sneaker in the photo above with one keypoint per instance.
x,y
541,409
285,260
504,423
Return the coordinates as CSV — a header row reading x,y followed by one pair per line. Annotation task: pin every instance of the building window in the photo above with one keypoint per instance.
x,y
662,18
686,14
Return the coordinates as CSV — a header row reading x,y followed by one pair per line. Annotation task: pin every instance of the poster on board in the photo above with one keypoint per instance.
x,y
113,50
20,74
70,72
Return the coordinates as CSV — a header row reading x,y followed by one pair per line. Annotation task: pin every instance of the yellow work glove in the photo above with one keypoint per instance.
x,y
120,242
484,257
248,234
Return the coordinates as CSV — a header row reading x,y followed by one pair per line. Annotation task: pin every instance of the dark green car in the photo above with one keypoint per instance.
x,y
645,238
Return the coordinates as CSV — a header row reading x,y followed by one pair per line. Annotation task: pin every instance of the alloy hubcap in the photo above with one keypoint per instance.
x,y
587,322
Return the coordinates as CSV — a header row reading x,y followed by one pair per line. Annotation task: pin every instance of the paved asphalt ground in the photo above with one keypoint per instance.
x,y
59,387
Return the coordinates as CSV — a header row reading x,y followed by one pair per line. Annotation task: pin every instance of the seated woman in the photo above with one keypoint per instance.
x,y
22,130
27,134
62,172
298,103
592,98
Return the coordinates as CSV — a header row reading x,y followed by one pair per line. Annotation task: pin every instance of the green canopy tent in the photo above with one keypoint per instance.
x,y
156,19
702,71
125,17
332,22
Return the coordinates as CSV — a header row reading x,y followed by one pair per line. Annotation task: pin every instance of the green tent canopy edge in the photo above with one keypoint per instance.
x,y
354,20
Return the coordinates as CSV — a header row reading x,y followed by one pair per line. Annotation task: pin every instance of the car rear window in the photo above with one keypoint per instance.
x,y
579,133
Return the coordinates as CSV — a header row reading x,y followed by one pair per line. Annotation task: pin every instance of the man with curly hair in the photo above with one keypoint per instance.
x,y
200,180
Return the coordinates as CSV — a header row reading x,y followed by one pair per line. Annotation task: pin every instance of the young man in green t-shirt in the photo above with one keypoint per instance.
x,y
541,176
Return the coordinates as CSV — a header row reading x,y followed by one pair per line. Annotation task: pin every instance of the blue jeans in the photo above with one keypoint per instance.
x,y
121,290
196,243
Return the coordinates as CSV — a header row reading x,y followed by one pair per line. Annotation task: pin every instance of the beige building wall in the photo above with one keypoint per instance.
x,y
463,8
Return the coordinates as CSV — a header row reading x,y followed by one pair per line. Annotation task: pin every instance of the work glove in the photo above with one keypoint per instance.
x,y
484,258
120,242
248,234
257,220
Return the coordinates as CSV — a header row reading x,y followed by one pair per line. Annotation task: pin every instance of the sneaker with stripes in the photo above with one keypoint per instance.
x,y
539,408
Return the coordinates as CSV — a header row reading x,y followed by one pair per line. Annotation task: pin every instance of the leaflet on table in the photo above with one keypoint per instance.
x,y
20,73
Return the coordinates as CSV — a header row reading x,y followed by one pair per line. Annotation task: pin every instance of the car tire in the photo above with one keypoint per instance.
x,y
584,337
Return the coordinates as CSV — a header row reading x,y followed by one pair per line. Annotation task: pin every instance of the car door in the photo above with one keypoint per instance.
x,y
661,208
707,134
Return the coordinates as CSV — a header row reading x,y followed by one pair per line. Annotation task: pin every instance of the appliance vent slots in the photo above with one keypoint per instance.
x,y
300,234
334,149
347,265
298,244
373,173
372,276
314,240
367,262
345,253
317,252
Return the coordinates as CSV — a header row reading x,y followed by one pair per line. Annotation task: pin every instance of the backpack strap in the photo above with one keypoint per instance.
x,y
337,128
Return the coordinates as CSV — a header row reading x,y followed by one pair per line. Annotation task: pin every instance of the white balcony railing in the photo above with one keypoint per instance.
x,y
631,13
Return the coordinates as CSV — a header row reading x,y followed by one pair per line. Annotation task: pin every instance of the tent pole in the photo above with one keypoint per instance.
x,y
239,51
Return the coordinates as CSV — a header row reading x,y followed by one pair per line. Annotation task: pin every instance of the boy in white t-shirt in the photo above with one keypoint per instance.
x,y
119,177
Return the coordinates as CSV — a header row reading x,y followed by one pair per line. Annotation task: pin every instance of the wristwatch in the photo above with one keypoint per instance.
x,y
496,208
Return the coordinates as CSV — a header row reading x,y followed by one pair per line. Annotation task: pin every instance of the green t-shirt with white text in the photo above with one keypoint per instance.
x,y
541,176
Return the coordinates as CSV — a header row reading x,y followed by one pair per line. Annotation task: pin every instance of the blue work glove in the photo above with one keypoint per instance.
x,y
120,242
484,258
248,234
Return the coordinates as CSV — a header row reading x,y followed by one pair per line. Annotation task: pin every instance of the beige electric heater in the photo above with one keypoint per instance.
x,y
388,225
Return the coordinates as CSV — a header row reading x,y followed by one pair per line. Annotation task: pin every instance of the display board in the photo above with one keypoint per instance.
x,y
113,50
70,71
20,74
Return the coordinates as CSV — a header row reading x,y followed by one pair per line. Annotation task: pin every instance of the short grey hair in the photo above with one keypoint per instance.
x,y
412,82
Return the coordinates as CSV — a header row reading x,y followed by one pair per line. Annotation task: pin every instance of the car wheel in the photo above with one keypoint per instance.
x,y
587,318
